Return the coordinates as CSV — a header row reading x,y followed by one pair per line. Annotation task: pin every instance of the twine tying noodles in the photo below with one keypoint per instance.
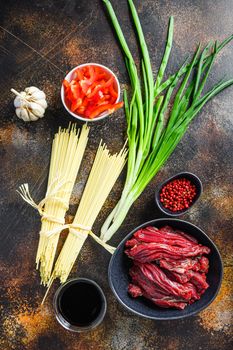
x,y
50,195
74,228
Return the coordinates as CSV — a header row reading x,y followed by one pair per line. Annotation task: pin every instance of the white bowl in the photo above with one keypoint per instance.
x,y
68,77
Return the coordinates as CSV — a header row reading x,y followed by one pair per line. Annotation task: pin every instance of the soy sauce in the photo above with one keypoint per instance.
x,y
80,302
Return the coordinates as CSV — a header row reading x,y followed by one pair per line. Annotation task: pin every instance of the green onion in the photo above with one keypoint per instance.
x,y
151,138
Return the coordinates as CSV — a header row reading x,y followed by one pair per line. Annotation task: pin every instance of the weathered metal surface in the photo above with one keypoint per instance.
x,y
39,42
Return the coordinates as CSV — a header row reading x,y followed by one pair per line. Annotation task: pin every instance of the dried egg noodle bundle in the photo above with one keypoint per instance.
x,y
67,153
103,175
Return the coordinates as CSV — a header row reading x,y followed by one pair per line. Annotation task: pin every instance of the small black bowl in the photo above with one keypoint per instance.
x,y
189,176
85,289
118,275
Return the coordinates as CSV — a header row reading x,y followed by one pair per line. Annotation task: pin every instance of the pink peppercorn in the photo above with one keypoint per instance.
x,y
178,194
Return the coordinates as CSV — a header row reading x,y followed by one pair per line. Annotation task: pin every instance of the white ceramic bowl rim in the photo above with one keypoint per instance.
x,y
68,78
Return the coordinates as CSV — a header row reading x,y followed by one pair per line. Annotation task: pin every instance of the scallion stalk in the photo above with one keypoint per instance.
x,y
152,140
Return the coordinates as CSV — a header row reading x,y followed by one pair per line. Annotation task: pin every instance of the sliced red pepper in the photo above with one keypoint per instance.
x,y
84,85
76,104
76,91
102,76
109,82
116,106
73,82
97,98
86,101
88,81
66,84
92,87
113,100
108,107
92,74
107,97
102,100
91,92
101,85
112,91
85,72
78,74
89,109
102,103
80,110
69,94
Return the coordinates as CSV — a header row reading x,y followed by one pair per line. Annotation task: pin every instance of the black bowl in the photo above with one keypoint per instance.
x,y
118,274
189,176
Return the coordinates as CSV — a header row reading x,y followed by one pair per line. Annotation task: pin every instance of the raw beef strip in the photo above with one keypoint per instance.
x,y
204,264
157,276
199,280
180,266
154,251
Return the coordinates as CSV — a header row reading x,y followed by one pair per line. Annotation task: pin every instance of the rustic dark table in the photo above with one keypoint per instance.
x,y
39,42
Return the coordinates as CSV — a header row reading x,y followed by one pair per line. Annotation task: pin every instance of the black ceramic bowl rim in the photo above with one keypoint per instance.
x,y
153,222
63,322
197,182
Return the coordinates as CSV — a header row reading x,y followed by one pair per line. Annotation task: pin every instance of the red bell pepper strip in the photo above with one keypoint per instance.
x,y
108,107
80,110
92,75
89,109
102,76
75,89
78,74
112,91
76,104
108,82
84,85
94,91
66,84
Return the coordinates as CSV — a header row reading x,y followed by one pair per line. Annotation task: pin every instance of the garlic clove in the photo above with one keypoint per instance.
x,y
36,109
31,89
32,116
38,95
42,103
19,102
22,113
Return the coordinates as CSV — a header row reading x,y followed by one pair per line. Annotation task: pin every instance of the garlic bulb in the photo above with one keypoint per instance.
x,y
30,104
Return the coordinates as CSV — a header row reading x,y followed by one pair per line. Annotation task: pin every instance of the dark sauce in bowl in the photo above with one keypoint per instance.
x,y
80,304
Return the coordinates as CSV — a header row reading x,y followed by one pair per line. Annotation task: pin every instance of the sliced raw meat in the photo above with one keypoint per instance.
x,y
199,280
134,290
204,264
180,266
169,267
159,278
154,251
